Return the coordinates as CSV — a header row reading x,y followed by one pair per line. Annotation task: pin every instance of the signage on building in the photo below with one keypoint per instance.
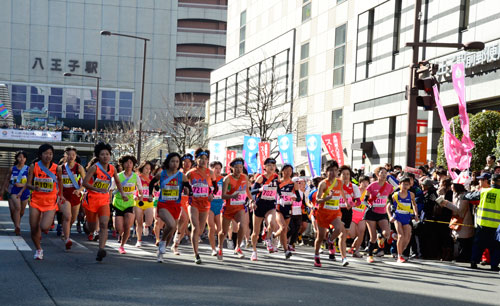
x,y
490,54
10,134
56,64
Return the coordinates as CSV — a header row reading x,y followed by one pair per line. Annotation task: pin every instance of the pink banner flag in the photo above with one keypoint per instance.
x,y
333,144
230,155
458,76
263,153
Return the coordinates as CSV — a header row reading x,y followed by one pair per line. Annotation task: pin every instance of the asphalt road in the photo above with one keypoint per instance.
x,y
75,278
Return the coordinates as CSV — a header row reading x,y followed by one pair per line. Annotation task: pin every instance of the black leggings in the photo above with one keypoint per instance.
x,y
294,227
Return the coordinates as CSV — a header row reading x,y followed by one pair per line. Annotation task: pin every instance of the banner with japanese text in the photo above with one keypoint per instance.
x,y
250,152
313,143
217,151
285,144
264,151
230,155
333,144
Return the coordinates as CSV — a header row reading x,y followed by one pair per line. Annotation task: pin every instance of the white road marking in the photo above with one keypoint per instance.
x,y
13,243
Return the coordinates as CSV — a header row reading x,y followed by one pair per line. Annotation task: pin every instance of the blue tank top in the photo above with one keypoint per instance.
x,y
402,205
23,179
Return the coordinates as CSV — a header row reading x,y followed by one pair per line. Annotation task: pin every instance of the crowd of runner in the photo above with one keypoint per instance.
x,y
385,212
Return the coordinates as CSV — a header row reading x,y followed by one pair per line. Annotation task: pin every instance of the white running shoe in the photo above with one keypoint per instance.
x,y
159,257
254,256
38,255
214,252
344,262
162,247
230,244
145,230
138,244
243,244
175,249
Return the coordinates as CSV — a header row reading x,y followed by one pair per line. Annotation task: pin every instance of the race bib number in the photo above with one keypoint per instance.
x,y
297,208
360,208
332,204
381,201
45,184
101,184
269,193
287,198
200,190
66,181
240,200
342,203
170,193
129,189
218,195
403,208
145,191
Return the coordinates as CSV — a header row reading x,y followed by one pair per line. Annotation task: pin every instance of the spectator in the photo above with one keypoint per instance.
x,y
432,166
490,162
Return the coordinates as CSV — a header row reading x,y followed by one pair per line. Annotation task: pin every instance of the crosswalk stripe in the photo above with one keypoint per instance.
x,y
13,243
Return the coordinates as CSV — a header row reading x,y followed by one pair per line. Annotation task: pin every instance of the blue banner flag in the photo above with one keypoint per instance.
x,y
313,143
285,143
251,153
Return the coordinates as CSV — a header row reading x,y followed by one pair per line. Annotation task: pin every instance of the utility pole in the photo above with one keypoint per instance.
x,y
411,138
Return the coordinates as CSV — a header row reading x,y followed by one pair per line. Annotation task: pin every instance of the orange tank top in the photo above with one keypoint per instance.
x,y
47,195
200,183
334,202
238,186
102,181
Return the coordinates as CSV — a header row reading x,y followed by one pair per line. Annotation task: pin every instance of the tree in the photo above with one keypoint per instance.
x,y
484,128
184,124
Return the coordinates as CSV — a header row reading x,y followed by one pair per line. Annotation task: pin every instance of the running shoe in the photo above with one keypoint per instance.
x,y
68,244
90,237
145,230
380,253
121,250
197,259
175,249
264,233
38,255
357,254
380,241
159,257
331,254
138,244
317,262
157,243
219,254
79,228
96,236
269,246
59,230
291,248
401,259
370,259
288,254
100,254
240,253
162,247
113,233
350,251
254,256
345,262
243,244
214,252
230,244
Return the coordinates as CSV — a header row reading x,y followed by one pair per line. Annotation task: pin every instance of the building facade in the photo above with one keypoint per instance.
x,y
351,65
42,39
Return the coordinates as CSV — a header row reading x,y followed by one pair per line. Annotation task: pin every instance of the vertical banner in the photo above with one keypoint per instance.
x,y
264,150
4,112
458,76
250,152
217,151
333,144
230,155
285,144
313,143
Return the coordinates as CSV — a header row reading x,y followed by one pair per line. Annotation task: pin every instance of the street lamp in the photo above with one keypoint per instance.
x,y
98,79
108,33
411,139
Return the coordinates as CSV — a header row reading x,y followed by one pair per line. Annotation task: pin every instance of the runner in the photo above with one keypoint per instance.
x,y
169,208
235,190
201,179
265,189
288,192
144,210
124,208
187,163
97,181
400,213
297,220
71,174
42,180
328,213
378,192
353,195
18,194
214,218
358,225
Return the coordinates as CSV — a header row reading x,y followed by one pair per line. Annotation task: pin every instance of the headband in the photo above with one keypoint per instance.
x,y
187,156
238,162
269,161
201,154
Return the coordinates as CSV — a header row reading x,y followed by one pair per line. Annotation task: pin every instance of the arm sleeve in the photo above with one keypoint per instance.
x,y
188,186
255,189
152,184
297,194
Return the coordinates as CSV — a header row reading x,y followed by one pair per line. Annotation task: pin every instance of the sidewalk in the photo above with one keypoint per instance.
x,y
20,286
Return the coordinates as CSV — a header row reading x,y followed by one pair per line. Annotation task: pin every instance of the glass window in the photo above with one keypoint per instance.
x,y
304,70
339,56
303,88
73,96
304,51
337,121
108,105
306,11
340,1
243,22
55,102
18,99
340,35
242,48
37,98
125,110
338,76
243,18
89,101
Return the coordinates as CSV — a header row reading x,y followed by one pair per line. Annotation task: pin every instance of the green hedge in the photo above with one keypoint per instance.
x,y
484,132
